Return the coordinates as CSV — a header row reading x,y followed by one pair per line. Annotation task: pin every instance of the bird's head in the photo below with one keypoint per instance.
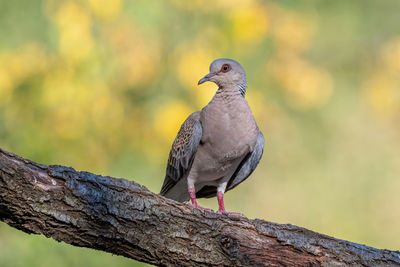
x,y
226,73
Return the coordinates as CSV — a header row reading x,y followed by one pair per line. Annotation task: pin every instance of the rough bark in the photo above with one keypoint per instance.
x,y
124,218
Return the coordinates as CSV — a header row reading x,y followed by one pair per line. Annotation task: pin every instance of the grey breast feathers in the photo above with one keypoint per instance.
x,y
245,168
183,151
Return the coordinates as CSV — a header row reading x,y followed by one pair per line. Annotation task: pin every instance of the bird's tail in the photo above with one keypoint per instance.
x,y
178,191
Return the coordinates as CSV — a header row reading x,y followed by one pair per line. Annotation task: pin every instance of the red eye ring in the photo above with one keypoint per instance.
x,y
225,68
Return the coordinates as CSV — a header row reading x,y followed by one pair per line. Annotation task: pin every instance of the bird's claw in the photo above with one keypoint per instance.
x,y
224,212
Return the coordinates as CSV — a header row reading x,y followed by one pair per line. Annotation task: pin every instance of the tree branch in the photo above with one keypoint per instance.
x,y
124,218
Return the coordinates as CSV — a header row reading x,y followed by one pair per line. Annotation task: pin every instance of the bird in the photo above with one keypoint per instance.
x,y
217,147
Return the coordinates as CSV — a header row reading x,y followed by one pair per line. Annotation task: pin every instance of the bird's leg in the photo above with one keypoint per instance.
x,y
192,194
192,191
221,210
220,197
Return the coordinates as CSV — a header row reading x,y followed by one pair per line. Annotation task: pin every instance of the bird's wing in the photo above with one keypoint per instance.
x,y
248,164
183,150
245,168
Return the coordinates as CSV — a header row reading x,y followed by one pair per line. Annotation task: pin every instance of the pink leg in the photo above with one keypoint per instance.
x,y
220,197
221,210
192,193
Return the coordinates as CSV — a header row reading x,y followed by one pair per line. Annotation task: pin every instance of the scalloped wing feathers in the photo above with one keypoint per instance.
x,y
183,150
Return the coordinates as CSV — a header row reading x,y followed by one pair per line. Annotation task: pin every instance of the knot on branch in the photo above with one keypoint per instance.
x,y
229,245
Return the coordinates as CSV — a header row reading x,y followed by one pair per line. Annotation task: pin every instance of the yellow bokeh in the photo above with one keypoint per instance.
x,y
383,94
60,87
29,60
256,102
137,56
382,87
67,102
106,9
250,24
202,94
232,4
153,143
190,5
169,118
212,5
67,121
291,32
74,24
194,64
306,86
6,85
107,112
390,55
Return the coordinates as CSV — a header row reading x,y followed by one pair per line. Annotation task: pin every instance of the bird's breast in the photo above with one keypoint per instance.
x,y
229,132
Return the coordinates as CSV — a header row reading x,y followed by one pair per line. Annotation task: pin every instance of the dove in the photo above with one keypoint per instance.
x,y
218,147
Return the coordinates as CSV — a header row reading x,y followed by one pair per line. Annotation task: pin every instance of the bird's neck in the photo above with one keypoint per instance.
x,y
233,89
228,95
242,88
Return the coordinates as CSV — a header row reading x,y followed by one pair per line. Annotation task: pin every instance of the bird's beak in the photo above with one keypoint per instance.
x,y
206,78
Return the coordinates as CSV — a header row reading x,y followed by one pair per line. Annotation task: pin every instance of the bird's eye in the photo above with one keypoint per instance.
x,y
225,68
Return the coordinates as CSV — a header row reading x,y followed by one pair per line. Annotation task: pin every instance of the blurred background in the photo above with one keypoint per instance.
x,y
103,86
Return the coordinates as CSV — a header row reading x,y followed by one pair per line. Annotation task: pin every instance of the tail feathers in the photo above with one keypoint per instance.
x,y
178,192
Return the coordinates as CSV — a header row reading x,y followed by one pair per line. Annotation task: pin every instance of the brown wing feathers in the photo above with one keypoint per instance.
x,y
182,152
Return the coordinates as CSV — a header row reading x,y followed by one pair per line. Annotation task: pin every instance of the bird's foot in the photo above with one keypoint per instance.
x,y
224,212
221,210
